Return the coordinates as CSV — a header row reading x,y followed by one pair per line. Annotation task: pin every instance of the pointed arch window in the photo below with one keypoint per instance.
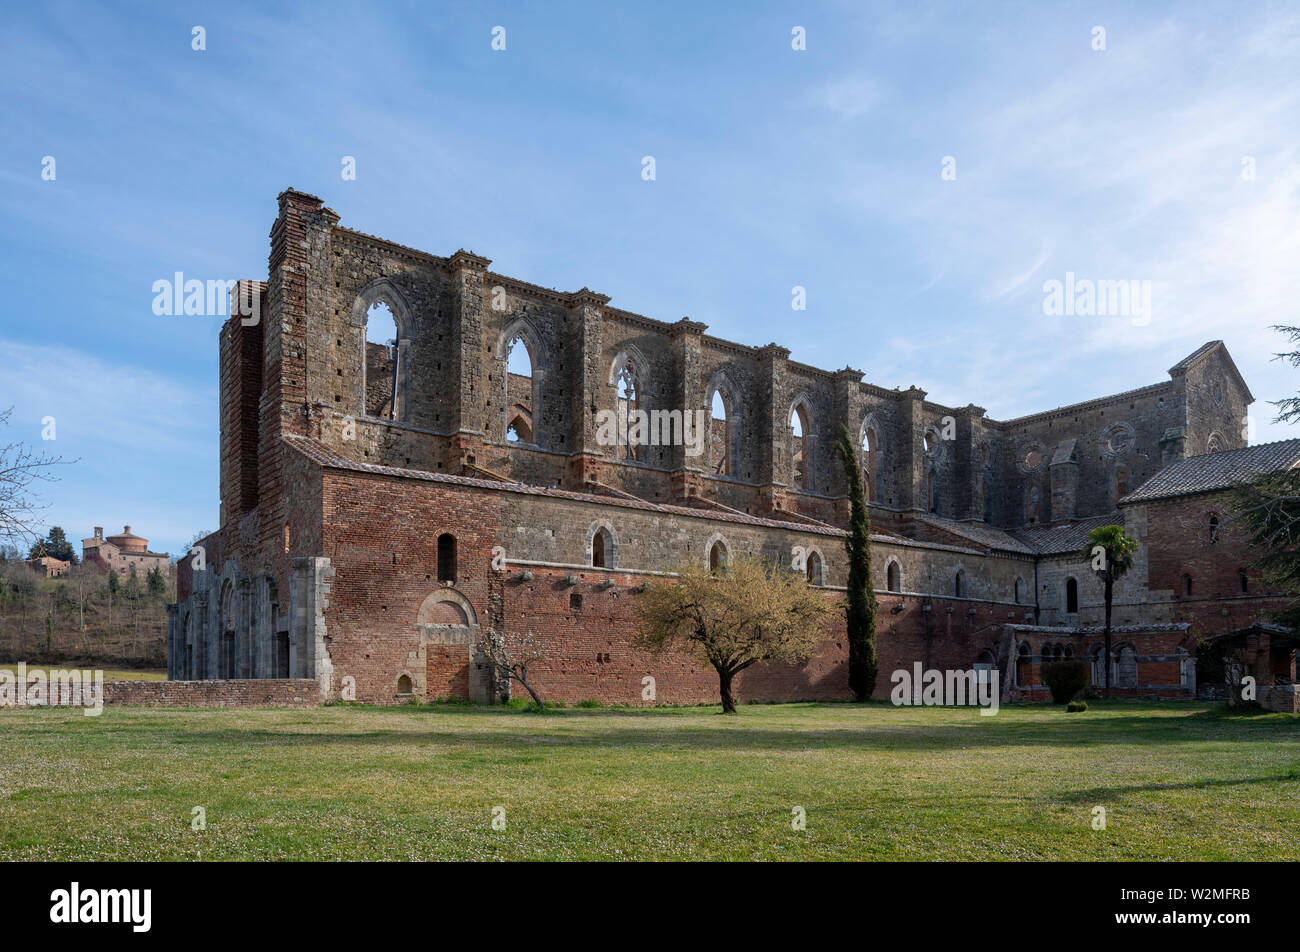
x,y
1071,596
381,362
800,447
602,546
719,434
520,392
1033,500
871,464
627,398
815,569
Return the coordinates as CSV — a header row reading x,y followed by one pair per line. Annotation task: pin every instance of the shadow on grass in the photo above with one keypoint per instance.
x,y
1107,794
689,729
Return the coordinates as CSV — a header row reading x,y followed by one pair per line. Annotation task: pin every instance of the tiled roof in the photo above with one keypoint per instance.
x,y
1065,452
1215,471
1097,629
1055,540
323,455
986,536
1277,632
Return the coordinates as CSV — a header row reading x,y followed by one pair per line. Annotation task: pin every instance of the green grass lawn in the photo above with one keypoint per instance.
x,y
1178,781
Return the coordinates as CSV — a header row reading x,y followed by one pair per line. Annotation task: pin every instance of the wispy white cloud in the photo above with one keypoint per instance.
x,y
140,443
1125,166
851,96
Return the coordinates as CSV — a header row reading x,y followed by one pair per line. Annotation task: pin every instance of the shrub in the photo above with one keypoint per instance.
x,y
1074,707
1065,679
589,702
451,701
527,704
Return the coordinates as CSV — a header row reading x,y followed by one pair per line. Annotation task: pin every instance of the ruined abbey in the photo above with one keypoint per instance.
x,y
517,458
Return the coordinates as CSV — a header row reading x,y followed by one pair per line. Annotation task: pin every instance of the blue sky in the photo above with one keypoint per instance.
x,y
774,168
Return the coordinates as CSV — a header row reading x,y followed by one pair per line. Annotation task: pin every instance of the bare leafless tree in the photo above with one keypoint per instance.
x,y
510,654
20,467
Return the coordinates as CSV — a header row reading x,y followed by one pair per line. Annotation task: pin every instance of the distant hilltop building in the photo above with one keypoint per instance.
x,y
125,553
47,566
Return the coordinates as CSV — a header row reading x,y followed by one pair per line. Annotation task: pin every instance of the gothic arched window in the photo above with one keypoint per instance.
x,y
380,362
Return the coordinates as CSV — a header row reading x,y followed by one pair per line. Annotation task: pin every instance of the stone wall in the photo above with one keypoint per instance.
x,y
259,692
457,321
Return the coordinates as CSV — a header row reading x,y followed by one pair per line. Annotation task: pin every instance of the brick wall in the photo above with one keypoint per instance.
x,y
381,534
1178,544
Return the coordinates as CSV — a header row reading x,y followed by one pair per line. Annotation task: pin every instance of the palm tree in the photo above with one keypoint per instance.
x,y
1110,550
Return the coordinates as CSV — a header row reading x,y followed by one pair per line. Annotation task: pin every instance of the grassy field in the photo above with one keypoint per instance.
x,y
1178,781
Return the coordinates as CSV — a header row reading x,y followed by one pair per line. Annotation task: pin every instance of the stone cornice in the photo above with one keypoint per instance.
x,y
360,239
810,370
730,346
585,297
774,351
524,289
1075,408
468,261
640,320
687,326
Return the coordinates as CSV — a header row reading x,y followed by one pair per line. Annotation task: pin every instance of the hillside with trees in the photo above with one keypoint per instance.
x,y
84,617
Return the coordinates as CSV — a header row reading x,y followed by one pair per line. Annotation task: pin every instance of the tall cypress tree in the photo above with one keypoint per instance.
x,y
861,609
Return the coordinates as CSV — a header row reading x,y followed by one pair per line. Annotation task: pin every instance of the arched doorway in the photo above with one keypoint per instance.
x,y
226,629
446,664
